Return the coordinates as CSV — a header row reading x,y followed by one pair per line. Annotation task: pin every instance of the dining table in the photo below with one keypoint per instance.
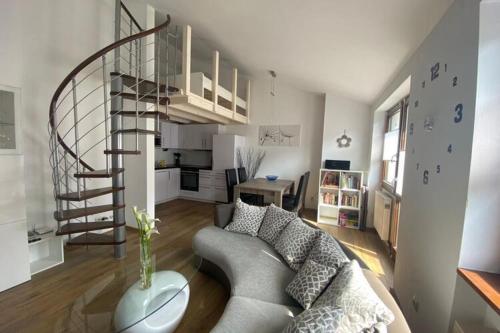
x,y
262,186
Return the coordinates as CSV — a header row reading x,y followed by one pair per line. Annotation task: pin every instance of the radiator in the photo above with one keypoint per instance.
x,y
382,217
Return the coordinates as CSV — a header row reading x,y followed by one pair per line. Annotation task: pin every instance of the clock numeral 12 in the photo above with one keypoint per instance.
x,y
435,71
458,113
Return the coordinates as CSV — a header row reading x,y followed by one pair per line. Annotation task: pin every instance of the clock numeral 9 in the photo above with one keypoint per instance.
x,y
458,113
411,129
435,71
426,177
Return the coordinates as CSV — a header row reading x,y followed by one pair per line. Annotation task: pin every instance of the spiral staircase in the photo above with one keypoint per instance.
x,y
98,111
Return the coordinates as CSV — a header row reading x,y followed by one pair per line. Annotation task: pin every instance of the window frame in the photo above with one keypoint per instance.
x,y
402,108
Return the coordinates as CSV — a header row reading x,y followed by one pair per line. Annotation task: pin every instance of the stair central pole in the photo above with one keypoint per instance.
x,y
119,233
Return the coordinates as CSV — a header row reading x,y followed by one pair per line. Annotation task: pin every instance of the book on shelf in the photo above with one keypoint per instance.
x,y
350,182
350,200
330,198
349,219
330,179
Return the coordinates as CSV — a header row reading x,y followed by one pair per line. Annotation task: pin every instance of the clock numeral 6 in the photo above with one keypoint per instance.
x,y
435,71
449,149
458,113
426,177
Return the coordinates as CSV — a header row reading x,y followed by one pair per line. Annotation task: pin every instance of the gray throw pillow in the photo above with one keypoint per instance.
x,y
327,251
295,243
275,220
351,292
316,320
310,282
246,218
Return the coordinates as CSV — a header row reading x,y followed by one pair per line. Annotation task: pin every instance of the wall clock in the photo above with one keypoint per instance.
x,y
428,119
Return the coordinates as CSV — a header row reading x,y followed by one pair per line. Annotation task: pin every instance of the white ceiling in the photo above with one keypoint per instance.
x,y
353,47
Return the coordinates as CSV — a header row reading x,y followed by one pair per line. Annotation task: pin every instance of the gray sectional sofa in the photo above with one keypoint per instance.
x,y
257,277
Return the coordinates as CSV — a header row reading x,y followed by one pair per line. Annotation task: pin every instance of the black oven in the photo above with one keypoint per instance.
x,y
190,178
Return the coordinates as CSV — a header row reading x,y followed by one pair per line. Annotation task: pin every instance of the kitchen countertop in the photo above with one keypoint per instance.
x,y
173,166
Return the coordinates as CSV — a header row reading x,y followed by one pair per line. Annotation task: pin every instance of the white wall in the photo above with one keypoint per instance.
x,y
39,50
354,117
432,214
481,237
291,106
480,248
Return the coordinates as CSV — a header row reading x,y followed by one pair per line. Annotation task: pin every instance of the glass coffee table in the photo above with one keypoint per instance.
x,y
115,302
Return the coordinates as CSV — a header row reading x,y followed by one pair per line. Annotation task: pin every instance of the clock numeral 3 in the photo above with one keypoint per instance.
x,y
455,81
426,177
435,71
458,113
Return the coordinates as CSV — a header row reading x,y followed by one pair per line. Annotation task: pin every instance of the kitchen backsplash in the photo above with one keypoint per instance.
x,y
194,157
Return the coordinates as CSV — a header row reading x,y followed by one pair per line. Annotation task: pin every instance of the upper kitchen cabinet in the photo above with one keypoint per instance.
x,y
169,135
205,87
198,137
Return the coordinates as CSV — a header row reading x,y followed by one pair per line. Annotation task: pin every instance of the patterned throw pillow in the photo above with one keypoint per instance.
x,y
316,320
351,292
309,282
326,251
295,243
275,220
246,218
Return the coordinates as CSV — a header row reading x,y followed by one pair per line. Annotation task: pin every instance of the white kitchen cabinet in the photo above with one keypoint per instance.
x,y
167,184
174,183
220,189
206,189
199,137
161,184
169,135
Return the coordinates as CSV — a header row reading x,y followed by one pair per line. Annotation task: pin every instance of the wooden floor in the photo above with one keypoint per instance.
x,y
59,300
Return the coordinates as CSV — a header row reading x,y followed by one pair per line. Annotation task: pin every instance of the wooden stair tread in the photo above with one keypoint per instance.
x,y
149,98
99,173
88,194
144,85
77,227
142,114
122,152
74,213
136,130
91,238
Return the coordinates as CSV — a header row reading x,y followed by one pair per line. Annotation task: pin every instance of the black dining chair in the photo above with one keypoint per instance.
x,y
231,180
296,202
242,174
248,198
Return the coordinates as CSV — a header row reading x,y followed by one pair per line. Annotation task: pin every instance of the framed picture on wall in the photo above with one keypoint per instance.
x,y
10,120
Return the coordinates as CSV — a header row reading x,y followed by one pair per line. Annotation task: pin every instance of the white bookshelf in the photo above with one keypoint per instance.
x,y
340,198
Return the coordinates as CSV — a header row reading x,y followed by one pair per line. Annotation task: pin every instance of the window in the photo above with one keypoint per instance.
x,y
393,164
